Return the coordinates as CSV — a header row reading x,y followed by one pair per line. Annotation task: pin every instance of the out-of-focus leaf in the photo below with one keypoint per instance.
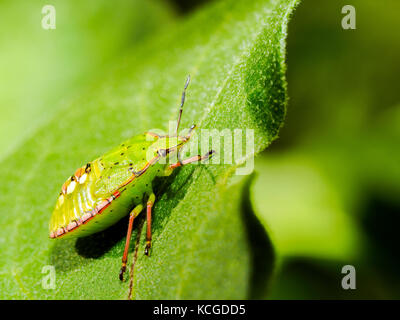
x,y
312,278
303,213
40,68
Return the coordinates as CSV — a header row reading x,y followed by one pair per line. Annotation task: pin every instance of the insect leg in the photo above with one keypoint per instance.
x,y
192,159
132,216
150,203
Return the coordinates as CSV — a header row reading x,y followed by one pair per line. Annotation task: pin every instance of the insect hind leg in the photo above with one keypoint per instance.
x,y
150,203
134,213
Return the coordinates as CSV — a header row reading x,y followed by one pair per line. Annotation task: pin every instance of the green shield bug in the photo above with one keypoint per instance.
x,y
103,191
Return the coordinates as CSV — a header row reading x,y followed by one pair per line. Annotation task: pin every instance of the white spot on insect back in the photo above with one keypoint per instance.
x,y
71,187
83,178
61,199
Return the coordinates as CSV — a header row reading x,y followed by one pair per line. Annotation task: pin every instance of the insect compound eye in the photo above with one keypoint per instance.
x,y
162,152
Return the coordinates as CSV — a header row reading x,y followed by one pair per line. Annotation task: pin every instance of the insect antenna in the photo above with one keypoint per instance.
x,y
182,103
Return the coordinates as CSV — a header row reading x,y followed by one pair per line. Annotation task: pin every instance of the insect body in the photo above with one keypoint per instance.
x,y
103,191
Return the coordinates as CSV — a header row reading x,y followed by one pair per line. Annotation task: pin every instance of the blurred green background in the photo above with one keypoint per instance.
x,y
46,68
328,190
329,187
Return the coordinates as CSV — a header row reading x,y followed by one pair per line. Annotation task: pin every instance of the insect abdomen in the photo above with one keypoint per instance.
x,y
75,202
93,199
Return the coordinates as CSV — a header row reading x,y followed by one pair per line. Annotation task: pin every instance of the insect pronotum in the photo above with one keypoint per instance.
x,y
103,191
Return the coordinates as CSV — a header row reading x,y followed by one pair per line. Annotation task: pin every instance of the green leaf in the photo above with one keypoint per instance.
x,y
202,247
50,65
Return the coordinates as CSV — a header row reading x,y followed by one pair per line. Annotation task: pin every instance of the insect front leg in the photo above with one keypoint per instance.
x,y
134,213
190,160
150,203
